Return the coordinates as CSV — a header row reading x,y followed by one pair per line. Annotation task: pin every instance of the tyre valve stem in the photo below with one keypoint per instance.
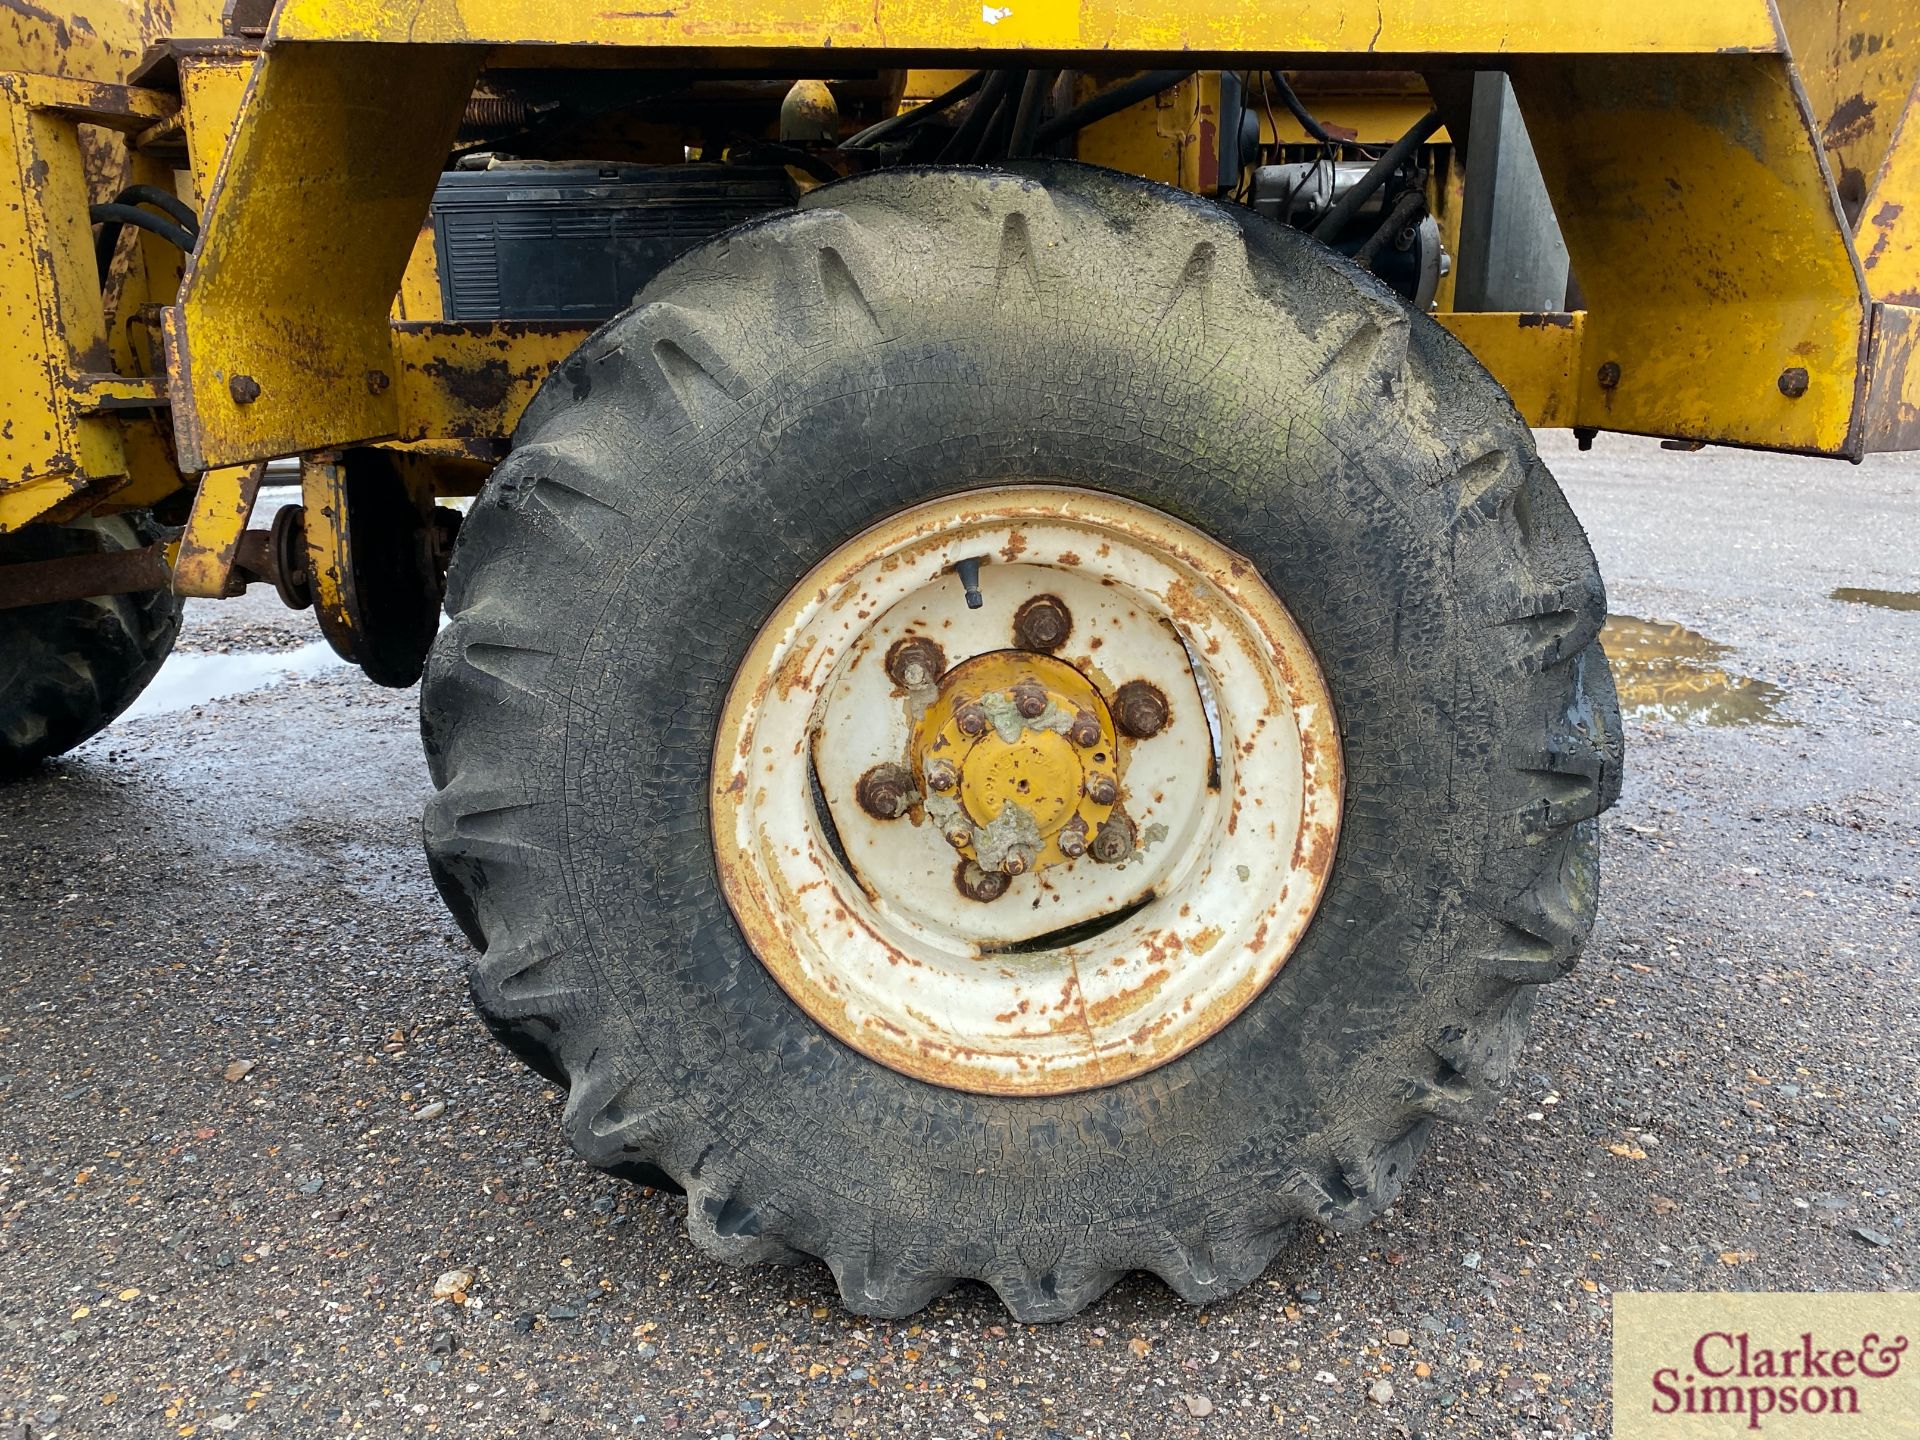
x,y
969,572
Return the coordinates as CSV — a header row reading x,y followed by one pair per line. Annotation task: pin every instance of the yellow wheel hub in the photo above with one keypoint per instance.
x,y
1018,761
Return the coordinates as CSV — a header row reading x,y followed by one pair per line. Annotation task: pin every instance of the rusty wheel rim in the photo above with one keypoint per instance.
x,y
1147,718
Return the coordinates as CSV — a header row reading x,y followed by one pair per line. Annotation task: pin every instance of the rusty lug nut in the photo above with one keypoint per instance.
x,y
1018,860
1085,729
1029,698
1609,375
1140,710
1072,838
1793,382
886,791
1114,840
915,661
1042,623
1101,789
244,389
941,775
970,719
980,884
959,835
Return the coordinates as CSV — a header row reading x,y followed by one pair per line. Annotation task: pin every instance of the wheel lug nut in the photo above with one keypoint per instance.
x,y
1018,860
1085,730
970,719
959,835
1042,623
1140,710
941,775
1072,838
1101,788
886,791
980,884
1029,698
915,661
1114,840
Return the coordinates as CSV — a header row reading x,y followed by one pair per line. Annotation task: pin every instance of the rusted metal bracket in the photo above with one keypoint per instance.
x,y
79,577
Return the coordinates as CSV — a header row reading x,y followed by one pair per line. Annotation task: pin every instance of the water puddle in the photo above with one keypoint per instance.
x,y
1879,599
191,678
1664,671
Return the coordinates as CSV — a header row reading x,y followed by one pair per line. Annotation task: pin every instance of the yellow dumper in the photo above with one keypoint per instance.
x,y
1014,700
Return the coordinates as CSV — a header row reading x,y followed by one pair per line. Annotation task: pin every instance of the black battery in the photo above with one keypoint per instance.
x,y
533,241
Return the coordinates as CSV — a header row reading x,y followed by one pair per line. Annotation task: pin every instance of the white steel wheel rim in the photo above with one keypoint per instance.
x,y
1159,952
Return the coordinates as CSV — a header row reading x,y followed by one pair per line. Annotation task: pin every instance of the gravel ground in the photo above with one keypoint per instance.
x,y
253,1128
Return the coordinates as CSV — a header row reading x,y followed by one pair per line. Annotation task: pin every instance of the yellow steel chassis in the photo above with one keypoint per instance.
x,y
1704,161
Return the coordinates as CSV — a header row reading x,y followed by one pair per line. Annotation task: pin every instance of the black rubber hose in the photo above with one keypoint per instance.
x,y
999,132
1409,203
1349,204
937,105
1109,102
1026,120
1299,111
960,148
113,218
161,200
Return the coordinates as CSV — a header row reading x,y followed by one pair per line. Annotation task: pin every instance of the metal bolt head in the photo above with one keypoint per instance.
x,y
1140,710
959,835
915,661
941,775
970,720
377,382
886,791
1042,623
1793,382
980,884
1072,838
1029,698
1018,860
1609,375
1101,788
1114,841
244,389
1085,729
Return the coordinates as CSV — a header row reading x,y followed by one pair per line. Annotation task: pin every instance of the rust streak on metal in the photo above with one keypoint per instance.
x,y
79,577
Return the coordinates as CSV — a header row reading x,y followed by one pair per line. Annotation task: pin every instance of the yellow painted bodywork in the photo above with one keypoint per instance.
x,y
311,222
1733,180
203,566
1702,228
1108,27
1538,358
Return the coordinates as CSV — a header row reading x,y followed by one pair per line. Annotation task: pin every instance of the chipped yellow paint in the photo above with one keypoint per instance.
x,y
1537,358
1703,232
281,341
1111,27
50,305
221,510
1172,137
213,84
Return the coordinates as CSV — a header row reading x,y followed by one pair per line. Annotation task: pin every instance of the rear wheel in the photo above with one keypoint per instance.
x,y
1158,901
68,668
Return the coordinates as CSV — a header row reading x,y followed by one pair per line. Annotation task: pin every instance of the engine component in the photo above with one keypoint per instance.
x,y
1410,258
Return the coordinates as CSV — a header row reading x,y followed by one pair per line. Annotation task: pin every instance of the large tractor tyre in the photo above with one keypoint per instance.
x,y
1019,725
68,668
